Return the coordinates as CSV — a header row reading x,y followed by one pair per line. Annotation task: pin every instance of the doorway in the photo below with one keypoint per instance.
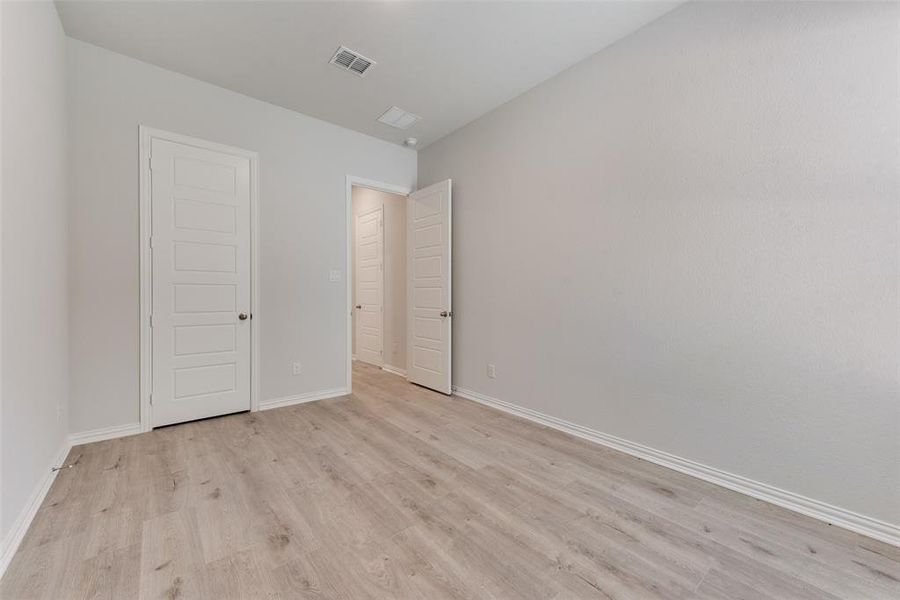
x,y
399,265
378,273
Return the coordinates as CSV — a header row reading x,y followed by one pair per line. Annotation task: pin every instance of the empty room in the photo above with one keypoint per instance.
x,y
446,299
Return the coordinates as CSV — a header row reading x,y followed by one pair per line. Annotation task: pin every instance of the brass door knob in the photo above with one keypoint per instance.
x,y
242,316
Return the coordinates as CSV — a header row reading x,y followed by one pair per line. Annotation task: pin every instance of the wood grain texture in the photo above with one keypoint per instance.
x,y
399,492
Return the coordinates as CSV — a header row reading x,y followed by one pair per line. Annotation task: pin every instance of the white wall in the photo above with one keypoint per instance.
x,y
394,215
690,241
34,314
303,164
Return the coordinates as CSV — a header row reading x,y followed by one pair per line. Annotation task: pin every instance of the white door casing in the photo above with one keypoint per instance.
x,y
370,287
428,217
201,281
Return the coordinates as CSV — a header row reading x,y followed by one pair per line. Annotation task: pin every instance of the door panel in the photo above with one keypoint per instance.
x,y
370,287
204,339
428,287
205,298
204,216
201,282
212,258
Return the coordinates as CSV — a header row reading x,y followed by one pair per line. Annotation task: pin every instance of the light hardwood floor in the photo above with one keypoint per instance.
x,y
398,492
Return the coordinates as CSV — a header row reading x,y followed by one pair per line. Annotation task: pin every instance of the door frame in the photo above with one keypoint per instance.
x,y
145,135
351,182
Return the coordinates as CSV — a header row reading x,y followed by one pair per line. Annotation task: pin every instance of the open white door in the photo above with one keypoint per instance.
x,y
428,287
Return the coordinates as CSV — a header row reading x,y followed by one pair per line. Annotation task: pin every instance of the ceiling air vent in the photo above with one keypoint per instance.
x,y
354,62
399,118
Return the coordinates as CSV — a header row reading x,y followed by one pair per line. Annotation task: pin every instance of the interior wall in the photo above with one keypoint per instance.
x,y
34,312
364,200
690,241
303,164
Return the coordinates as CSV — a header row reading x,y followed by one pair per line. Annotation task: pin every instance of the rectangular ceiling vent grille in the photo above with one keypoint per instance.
x,y
354,62
399,118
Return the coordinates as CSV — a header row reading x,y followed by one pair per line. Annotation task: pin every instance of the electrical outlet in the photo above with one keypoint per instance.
x,y
491,371
297,368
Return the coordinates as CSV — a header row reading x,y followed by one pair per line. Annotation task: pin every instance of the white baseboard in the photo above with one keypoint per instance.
x,y
105,433
301,398
885,532
394,370
20,526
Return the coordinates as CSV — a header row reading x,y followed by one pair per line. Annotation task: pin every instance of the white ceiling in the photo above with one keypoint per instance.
x,y
448,62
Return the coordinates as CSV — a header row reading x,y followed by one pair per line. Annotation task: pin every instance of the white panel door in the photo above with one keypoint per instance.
x,y
200,249
370,287
428,287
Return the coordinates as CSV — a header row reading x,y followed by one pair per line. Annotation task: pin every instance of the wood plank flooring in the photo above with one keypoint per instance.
x,y
398,492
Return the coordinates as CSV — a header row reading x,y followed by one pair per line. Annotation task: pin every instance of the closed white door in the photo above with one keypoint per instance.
x,y
201,282
428,287
370,287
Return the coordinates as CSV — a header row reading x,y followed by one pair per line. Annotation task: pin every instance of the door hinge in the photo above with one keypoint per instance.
x,y
151,242
151,320
151,399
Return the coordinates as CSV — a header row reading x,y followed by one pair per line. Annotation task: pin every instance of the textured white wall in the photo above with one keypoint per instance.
x,y
34,313
303,165
394,205
690,241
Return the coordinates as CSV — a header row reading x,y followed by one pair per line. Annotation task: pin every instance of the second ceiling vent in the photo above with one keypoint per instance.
x,y
348,60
